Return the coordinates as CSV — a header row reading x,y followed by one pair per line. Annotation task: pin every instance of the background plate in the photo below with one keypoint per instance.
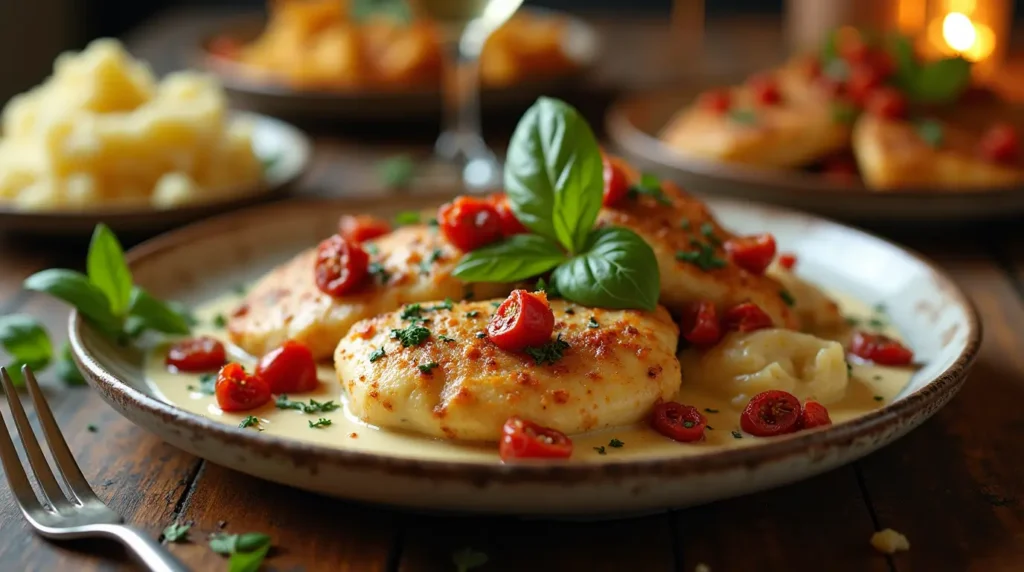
x,y
633,124
199,262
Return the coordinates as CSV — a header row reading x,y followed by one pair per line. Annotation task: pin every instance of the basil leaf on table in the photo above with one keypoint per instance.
x,y
553,173
940,81
76,289
517,258
27,343
156,314
107,269
66,368
617,270
248,561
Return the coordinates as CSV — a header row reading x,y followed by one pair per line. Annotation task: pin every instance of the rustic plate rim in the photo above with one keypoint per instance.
x,y
939,390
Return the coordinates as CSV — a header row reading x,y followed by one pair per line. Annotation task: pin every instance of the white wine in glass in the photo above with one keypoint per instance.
x,y
465,26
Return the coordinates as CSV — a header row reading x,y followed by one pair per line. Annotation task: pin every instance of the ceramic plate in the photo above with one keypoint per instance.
x,y
633,125
284,149
202,261
581,43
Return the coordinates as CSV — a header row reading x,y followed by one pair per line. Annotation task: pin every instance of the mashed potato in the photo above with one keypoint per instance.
x,y
101,131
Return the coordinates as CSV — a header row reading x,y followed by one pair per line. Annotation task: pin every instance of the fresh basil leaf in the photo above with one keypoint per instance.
x,y
930,131
901,48
405,218
396,10
26,341
155,314
248,561
249,541
941,81
519,257
553,173
743,116
66,368
396,172
223,543
76,289
844,113
617,269
107,269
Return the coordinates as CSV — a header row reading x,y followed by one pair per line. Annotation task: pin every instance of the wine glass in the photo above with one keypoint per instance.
x,y
465,26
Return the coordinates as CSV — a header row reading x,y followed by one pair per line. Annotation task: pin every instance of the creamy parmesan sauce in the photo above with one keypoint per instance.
x,y
871,387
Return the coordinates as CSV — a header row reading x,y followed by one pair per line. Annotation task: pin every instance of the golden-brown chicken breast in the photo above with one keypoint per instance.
x,y
892,154
687,241
410,264
797,131
455,383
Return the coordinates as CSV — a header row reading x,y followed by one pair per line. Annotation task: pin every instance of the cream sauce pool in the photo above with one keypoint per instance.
x,y
871,387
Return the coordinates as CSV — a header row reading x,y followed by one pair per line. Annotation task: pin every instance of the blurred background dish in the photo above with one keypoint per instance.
x,y
317,60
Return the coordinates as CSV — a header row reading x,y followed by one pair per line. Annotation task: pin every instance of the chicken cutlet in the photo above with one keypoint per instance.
x,y
409,264
431,369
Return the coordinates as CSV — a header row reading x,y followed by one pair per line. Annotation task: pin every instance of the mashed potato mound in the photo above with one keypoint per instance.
x,y
102,131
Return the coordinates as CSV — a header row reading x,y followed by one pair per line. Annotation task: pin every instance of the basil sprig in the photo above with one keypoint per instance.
x,y
939,81
555,185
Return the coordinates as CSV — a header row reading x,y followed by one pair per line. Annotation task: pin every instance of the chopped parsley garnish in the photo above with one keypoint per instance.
x,y
481,335
877,378
472,313
600,450
446,305
708,230
322,422
371,249
931,132
445,338
411,312
427,367
414,335
377,270
250,421
879,398
433,222
377,354
219,321
849,370
570,311
548,353
743,116
207,384
649,185
615,443
495,304
876,323
430,260
709,410
176,532
314,406
688,424
685,225
703,258
91,428
737,435
709,428
549,289
851,321
843,113
787,298
466,559
240,289
592,323
407,217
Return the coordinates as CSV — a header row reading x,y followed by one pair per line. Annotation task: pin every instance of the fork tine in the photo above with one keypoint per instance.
x,y
66,464
16,476
51,490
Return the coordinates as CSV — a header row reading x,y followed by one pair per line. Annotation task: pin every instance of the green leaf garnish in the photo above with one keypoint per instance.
x,y
427,367
155,313
617,270
76,289
517,258
176,532
548,353
66,369
396,172
27,342
314,406
592,323
377,354
615,443
934,82
250,421
600,450
843,112
787,298
413,335
930,131
406,218
398,11
322,422
743,116
704,257
107,269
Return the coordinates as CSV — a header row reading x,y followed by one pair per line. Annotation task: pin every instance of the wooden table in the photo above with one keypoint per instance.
x,y
955,486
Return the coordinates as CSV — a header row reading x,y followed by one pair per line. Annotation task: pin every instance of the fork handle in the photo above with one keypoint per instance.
x,y
148,551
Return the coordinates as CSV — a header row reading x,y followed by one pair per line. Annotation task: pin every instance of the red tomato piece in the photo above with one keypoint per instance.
x,y
880,349
771,413
787,260
522,439
341,266
884,63
863,80
765,90
752,253
238,391
507,220
814,415
224,47
886,103
360,228
197,355
678,422
746,317
289,368
1000,143
615,185
700,325
717,101
469,223
833,88
523,320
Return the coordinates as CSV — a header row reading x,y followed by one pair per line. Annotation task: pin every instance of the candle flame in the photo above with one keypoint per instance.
x,y
959,32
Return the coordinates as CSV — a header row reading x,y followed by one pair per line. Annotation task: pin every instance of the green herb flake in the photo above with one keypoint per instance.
x,y
411,336
547,288
787,298
448,304
843,113
377,354
466,559
426,263
412,312
472,313
570,311
710,410
481,335
246,551
704,257
876,377
688,424
592,323
371,249
600,450
737,435
849,370
176,532
319,423
709,428
91,428
548,353
616,443
708,230
650,185
314,406
876,323
250,421
397,173
219,321
685,225
496,304
931,132
879,398
241,289
26,340
379,273
852,321
207,384
427,368
743,116
445,338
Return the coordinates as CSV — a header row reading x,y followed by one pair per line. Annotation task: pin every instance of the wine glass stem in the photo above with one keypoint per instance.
x,y
461,135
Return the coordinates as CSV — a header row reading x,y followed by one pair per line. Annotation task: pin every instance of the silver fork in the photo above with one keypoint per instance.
x,y
78,514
